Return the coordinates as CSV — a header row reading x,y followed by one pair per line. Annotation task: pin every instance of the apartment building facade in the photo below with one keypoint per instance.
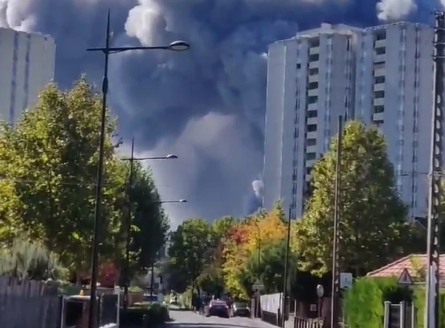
x,y
380,75
310,83
27,65
394,91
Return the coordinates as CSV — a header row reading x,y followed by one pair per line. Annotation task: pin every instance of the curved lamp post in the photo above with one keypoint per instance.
x,y
132,159
107,51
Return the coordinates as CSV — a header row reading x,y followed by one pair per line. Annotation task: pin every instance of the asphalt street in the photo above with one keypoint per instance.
x,y
188,319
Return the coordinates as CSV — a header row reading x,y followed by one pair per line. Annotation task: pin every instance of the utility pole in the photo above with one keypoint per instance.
x,y
128,226
432,281
286,269
336,237
152,275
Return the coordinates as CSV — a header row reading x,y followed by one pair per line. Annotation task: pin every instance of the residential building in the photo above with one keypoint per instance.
x,y
394,90
27,65
309,84
381,75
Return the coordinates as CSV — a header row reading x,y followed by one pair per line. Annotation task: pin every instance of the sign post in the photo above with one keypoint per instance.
x,y
346,280
405,278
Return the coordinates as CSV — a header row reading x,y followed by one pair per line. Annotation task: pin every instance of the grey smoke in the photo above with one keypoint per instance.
x,y
207,105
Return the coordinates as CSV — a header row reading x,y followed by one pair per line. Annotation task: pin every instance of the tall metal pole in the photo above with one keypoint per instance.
x,y
336,237
286,269
432,281
152,277
100,168
128,227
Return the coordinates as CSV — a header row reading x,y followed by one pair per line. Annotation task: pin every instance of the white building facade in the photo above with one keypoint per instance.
x,y
381,75
27,65
310,83
394,90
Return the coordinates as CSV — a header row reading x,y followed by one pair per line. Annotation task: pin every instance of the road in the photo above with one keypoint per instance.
x,y
187,319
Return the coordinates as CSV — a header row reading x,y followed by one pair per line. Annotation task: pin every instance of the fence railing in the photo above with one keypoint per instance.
x,y
28,304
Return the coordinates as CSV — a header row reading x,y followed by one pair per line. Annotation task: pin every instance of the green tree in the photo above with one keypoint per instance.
x,y
191,249
373,224
269,268
48,170
149,223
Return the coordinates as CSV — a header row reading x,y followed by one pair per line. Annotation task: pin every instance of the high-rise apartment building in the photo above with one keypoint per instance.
x,y
27,65
310,83
394,90
381,75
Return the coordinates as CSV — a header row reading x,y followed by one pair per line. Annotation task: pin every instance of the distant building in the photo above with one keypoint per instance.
x,y
27,65
381,75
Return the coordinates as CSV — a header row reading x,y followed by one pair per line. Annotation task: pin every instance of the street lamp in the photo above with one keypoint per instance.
x,y
286,268
132,159
320,293
107,51
152,276
336,236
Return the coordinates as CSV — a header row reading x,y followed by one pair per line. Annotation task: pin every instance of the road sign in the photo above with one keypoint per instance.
x,y
257,286
346,280
405,278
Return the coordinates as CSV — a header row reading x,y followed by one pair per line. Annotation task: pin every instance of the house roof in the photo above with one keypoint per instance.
x,y
396,268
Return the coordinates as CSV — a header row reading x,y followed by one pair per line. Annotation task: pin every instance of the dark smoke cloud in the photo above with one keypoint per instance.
x,y
207,105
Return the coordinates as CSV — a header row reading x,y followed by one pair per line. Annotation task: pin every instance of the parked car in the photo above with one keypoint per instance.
x,y
217,308
240,309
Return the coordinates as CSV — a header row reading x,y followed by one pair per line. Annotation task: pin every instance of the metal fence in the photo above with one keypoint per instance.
x,y
28,304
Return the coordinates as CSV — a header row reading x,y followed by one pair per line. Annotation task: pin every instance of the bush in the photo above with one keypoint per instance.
x,y
135,289
419,303
156,314
364,303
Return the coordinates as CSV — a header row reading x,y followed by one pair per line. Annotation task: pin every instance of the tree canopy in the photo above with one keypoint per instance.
x,y
48,169
372,216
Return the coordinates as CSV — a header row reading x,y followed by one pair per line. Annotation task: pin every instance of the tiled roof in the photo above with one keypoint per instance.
x,y
396,268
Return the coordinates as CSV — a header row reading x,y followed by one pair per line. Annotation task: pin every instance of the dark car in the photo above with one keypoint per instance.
x,y
240,309
217,308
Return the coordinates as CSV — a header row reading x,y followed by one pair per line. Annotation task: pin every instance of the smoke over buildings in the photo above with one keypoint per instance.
x,y
205,105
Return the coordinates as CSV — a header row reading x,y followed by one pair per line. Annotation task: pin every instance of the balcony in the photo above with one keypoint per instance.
x,y
379,102
379,58
314,64
380,43
312,93
379,87
379,72
314,50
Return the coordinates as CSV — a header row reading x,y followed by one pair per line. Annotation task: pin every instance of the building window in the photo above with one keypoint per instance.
x,y
312,128
378,123
312,99
311,142
314,57
379,94
311,156
379,79
312,113
313,71
379,109
313,85
314,43
380,51
381,35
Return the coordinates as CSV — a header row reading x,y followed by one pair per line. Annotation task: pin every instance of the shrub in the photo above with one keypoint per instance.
x,y
364,303
419,303
135,289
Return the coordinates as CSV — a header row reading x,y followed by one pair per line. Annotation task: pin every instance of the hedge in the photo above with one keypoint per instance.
x,y
363,305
